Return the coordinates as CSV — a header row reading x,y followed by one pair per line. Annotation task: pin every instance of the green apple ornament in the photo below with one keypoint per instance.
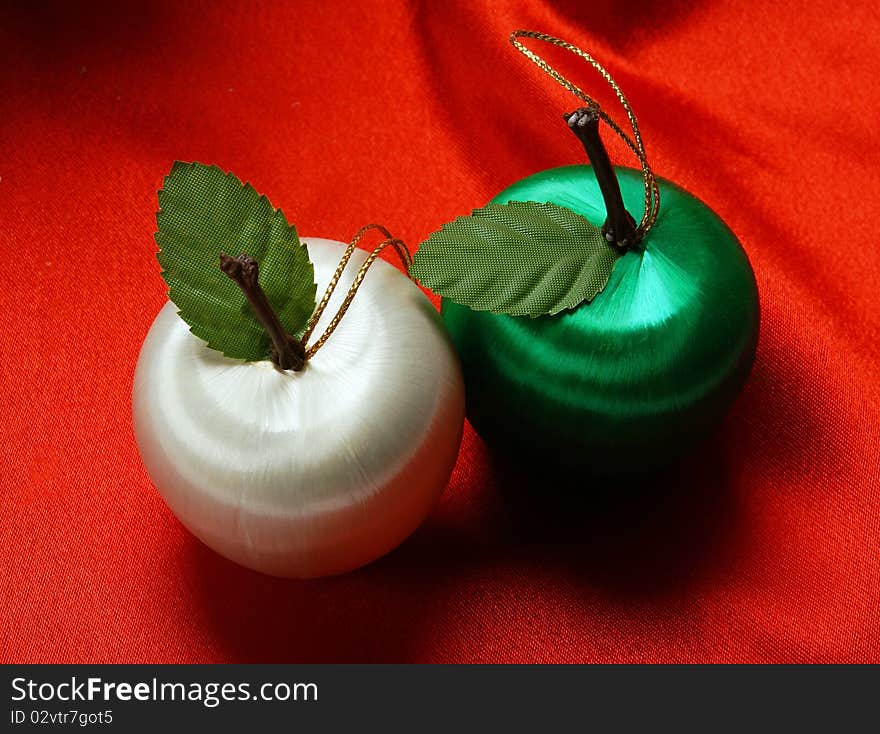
x,y
588,340
286,459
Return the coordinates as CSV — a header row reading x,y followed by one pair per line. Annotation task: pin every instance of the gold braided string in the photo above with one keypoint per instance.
x,y
349,251
652,191
402,252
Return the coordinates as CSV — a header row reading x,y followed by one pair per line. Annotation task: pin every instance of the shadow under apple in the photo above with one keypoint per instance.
x,y
644,537
368,615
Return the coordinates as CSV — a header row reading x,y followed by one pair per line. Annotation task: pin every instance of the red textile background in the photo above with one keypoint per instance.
x,y
764,547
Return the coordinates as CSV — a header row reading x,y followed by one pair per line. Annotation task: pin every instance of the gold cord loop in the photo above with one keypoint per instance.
x,y
402,252
652,191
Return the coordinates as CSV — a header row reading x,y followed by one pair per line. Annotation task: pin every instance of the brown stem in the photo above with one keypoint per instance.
x,y
288,352
620,227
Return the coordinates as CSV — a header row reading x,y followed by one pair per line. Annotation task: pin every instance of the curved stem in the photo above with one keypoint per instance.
x,y
620,227
288,352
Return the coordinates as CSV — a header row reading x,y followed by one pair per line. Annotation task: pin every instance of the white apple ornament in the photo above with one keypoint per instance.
x,y
294,460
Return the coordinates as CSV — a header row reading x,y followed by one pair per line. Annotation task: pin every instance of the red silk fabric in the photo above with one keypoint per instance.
x,y
765,546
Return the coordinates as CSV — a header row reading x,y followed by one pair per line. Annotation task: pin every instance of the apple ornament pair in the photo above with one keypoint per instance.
x,y
294,460
587,340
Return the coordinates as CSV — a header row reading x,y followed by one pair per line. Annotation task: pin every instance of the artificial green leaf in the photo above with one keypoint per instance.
x,y
519,258
204,212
